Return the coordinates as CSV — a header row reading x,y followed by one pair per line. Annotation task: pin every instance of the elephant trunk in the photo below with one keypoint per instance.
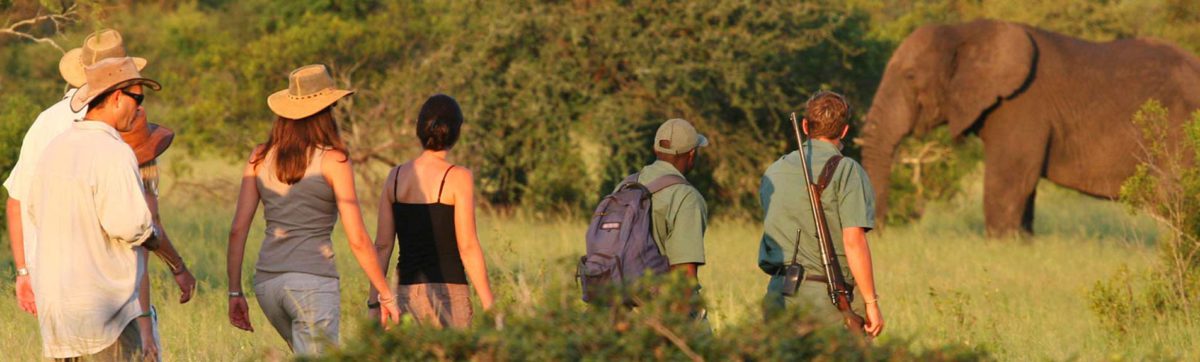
x,y
890,118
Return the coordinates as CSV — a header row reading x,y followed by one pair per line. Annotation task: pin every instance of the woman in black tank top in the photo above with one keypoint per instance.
x,y
439,250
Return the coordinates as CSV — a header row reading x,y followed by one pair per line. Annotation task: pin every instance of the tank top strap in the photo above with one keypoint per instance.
x,y
396,184
443,185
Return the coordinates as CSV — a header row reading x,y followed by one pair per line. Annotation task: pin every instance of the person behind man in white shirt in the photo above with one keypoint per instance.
x,y
91,218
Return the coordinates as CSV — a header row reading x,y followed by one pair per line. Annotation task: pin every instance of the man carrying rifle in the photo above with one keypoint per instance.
x,y
791,251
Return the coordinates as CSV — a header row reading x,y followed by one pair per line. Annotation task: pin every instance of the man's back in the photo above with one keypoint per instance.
x,y
87,205
679,216
49,124
848,202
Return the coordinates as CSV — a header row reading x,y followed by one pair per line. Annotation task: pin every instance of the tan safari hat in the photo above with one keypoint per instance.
x,y
102,44
677,136
148,140
310,89
107,75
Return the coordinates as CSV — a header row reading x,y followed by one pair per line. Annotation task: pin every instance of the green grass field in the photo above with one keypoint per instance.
x,y
940,282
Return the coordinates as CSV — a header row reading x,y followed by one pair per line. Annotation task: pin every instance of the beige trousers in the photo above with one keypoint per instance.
x,y
437,304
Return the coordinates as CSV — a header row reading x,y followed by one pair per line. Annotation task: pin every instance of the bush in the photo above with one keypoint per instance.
x,y
559,327
1166,186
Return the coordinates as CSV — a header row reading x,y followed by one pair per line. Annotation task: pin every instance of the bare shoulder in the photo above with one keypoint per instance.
x,y
335,160
461,178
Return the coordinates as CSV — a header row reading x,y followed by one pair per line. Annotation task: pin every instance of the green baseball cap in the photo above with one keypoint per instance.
x,y
677,136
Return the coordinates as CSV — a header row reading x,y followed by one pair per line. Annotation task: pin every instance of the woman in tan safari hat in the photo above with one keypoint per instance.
x,y
149,141
428,207
302,176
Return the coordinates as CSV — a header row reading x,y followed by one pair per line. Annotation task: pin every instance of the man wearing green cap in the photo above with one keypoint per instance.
x,y
679,214
790,234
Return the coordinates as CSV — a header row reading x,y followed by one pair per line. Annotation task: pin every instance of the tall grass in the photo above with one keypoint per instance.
x,y
939,281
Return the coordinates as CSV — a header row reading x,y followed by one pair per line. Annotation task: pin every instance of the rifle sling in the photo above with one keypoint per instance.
x,y
822,182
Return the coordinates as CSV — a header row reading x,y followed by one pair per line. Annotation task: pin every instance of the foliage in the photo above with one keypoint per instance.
x,y
1166,185
559,327
930,168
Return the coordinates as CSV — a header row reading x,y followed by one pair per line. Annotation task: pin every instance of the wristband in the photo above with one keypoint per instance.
x,y
22,272
236,294
373,305
182,268
872,301
145,314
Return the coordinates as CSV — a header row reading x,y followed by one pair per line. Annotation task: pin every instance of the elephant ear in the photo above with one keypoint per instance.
x,y
993,61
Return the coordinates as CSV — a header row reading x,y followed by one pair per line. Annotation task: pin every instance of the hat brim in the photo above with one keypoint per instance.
x,y
85,94
160,139
71,67
287,106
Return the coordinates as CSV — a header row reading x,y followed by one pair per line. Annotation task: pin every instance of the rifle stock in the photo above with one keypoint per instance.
x,y
839,295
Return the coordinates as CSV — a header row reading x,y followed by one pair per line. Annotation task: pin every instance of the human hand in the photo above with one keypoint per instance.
x,y
25,294
374,314
874,324
149,345
187,285
388,309
239,313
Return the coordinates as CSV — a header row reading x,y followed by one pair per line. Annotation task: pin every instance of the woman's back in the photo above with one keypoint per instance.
x,y
423,215
300,219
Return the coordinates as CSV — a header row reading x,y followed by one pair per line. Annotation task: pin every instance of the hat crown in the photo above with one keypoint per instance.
x,y
680,137
109,71
309,80
103,44
138,134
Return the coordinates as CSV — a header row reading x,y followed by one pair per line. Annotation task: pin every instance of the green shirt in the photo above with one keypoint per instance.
x,y
848,202
679,215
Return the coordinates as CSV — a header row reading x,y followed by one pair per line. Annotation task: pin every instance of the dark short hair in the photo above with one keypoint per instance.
x,y
95,102
827,114
439,122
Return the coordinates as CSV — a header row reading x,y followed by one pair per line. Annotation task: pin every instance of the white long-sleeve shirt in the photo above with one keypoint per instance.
x,y
49,124
86,202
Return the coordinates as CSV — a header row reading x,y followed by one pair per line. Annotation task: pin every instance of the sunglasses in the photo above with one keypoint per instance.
x,y
137,98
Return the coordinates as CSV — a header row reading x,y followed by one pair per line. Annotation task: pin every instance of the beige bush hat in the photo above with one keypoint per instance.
x,y
102,44
679,136
310,89
107,75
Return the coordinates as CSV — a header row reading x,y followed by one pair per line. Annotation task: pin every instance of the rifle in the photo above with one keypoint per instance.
x,y
838,294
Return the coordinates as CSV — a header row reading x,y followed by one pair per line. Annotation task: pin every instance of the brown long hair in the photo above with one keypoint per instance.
x,y
293,140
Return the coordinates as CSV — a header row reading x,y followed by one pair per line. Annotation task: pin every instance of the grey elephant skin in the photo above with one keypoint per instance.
x,y
1044,104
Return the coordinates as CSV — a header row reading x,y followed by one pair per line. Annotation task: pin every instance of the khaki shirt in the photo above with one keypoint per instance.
x,y
849,201
679,215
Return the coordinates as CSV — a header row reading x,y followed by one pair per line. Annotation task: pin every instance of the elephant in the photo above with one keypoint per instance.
x,y
1044,105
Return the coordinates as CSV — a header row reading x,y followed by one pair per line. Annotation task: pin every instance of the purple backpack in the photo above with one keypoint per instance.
x,y
620,240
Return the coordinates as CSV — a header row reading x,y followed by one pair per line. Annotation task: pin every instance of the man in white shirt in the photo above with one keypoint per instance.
x,y
91,218
48,125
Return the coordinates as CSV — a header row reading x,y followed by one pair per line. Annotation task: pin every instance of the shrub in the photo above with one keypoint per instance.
x,y
560,327
1166,186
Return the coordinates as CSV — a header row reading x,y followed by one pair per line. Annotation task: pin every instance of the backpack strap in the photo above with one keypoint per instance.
x,y
665,181
827,173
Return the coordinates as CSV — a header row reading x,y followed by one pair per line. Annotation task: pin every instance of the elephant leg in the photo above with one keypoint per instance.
x,y
1013,163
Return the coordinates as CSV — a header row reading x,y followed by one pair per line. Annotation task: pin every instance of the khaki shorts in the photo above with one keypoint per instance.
x,y
437,304
811,297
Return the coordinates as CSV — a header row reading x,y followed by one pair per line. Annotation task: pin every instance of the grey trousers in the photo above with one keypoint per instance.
x,y
304,308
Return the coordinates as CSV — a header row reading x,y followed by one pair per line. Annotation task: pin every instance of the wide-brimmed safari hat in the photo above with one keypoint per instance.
x,y
102,44
148,140
107,75
310,89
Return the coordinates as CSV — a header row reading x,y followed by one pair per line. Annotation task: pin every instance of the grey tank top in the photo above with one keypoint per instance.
x,y
300,219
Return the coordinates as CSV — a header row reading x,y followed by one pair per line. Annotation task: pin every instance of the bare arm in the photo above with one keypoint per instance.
x,y
16,234
858,255
167,253
145,324
385,231
247,205
468,239
338,172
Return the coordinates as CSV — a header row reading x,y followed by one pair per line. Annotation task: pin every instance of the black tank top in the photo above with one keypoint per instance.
x,y
428,243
